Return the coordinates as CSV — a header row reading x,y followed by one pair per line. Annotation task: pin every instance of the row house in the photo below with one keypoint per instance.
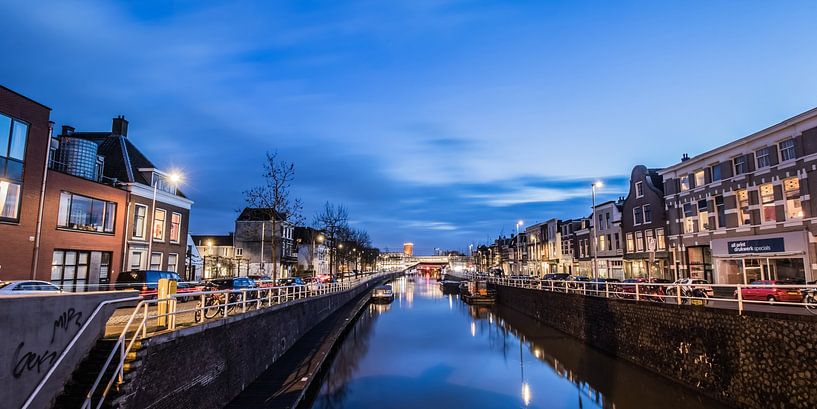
x,y
643,224
64,207
607,225
519,254
536,248
266,240
571,249
312,250
582,261
220,257
743,211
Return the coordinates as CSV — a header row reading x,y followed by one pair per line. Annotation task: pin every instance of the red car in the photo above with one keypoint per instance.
x,y
767,290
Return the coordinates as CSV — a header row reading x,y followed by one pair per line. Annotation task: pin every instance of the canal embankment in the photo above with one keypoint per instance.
x,y
753,360
208,365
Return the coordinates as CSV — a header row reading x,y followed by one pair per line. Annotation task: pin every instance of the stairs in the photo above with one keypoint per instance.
x,y
76,389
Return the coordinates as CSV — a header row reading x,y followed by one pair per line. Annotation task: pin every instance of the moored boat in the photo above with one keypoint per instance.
x,y
477,292
383,294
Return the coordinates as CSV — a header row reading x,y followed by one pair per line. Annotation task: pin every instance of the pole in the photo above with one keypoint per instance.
x,y
263,229
595,234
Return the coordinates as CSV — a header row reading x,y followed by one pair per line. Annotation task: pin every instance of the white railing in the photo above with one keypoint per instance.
x,y
734,296
210,305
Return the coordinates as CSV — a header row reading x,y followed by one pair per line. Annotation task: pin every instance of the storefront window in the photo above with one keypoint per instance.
x,y
744,217
700,260
794,208
729,272
767,202
787,269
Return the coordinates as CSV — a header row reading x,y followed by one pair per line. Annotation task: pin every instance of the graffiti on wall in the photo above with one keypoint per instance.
x,y
31,360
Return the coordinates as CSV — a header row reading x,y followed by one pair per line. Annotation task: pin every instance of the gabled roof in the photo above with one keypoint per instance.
x,y
252,214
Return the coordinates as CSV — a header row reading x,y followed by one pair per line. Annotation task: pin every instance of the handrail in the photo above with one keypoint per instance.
x,y
64,353
300,292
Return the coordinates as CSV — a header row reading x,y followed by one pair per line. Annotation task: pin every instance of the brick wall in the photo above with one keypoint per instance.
x,y
755,360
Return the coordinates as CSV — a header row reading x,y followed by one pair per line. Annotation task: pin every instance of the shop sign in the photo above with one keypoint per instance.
x,y
773,245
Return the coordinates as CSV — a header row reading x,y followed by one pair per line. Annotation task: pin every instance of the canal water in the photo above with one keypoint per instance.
x,y
430,350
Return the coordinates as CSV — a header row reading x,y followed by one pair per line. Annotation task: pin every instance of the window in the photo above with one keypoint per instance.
x,y
630,244
720,211
175,225
715,171
638,216
703,216
660,239
740,165
647,214
9,200
155,261
136,262
639,241
618,241
648,237
173,262
86,214
609,243
601,222
105,268
13,135
639,189
239,252
689,221
787,150
69,269
699,178
602,243
762,157
794,208
744,216
139,215
684,183
767,208
607,220
159,224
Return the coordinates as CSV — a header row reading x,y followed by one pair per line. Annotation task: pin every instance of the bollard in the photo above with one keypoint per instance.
x,y
243,300
740,300
637,295
678,293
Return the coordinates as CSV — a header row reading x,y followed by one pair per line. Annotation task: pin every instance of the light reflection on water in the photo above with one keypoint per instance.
x,y
428,349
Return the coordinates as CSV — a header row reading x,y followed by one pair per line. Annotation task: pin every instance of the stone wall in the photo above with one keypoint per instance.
x,y
36,331
206,366
754,360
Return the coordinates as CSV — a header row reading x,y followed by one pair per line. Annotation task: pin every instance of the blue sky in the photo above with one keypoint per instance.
x,y
438,122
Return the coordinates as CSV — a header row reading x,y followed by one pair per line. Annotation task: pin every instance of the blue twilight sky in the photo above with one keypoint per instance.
x,y
438,122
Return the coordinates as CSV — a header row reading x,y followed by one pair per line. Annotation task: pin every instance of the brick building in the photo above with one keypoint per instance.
x,y
609,261
643,224
743,211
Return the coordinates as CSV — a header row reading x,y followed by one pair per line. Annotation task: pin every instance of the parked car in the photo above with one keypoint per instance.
x,y
27,287
600,286
262,280
289,281
556,276
147,282
767,290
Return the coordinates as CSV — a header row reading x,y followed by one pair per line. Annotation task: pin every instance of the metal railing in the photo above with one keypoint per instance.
x,y
217,304
731,296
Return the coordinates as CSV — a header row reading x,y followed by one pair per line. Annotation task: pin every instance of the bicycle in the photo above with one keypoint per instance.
x,y
810,299
214,305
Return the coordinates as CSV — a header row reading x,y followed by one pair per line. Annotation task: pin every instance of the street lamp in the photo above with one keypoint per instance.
x,y
518,251
593,187
175,178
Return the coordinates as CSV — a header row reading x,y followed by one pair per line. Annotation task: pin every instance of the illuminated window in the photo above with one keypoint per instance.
x,y
175,226
744,216
630,243
767,208
689,218
159,224
794,208
699,178
684,183
662,242
639,241
703,216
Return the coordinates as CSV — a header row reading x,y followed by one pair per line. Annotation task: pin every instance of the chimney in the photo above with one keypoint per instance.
x,y
120,126
684,158
67,130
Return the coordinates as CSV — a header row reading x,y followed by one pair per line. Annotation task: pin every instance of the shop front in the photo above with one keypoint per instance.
x,y
781,256
635,267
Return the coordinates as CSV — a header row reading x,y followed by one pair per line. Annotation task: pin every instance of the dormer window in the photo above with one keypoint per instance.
x,y
163,184
639,189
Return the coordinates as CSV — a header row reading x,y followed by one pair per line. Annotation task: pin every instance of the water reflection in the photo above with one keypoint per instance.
x,y
430,350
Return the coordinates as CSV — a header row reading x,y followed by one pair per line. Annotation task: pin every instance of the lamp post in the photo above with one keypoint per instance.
x,y
319,239
518,255
175,178
593,187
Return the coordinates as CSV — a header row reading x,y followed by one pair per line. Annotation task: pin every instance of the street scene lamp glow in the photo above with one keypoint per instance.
x,y
175,178
598,184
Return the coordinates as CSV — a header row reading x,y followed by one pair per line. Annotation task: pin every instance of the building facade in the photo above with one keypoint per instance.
x,y
268,247
220,257
607,225
743,211
313,253
643,224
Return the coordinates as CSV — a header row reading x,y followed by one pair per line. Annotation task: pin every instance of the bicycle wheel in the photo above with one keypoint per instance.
x,y
811,304
212,308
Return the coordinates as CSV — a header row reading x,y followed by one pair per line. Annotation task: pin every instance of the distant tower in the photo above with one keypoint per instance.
x,y
408,249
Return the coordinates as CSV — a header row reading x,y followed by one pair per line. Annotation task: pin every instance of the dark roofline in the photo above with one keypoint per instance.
x,y
23,96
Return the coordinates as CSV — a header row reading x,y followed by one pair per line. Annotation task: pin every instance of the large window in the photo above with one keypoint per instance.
x,y
630,243
689,218
762,157
602,243
140,213
794,208
648,236
136,260
684,183
159,224
9,200
767,207
720,211
173,262
699,178
703,216
175,226
647,214
638,216
740,165
86,214
662,241
715,171
155,261
787,150
744,215
639,241
69,269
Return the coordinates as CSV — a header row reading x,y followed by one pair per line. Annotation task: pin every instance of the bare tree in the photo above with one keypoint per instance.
x,y
334,221
274,202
